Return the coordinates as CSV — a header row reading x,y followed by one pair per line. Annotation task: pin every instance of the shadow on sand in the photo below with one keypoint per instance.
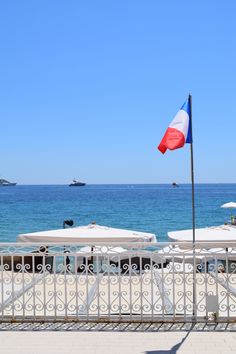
x,y
173,350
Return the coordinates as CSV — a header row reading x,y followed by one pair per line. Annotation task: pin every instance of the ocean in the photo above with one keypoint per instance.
x,y
156,208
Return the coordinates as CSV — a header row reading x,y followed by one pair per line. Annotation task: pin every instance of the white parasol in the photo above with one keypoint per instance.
x,y
230,205
92,233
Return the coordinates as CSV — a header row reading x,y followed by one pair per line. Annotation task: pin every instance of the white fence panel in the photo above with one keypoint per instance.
x,y
118,283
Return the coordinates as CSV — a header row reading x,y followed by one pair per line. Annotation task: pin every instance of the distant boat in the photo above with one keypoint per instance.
x,y
76,183
5,183
174,184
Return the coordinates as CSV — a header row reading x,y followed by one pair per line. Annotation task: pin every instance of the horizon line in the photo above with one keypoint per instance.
x,y
128,183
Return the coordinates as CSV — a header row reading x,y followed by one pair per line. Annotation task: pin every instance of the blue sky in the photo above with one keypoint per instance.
x,y
88,88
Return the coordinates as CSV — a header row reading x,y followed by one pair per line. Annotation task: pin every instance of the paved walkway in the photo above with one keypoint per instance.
x,y
117,342
163,340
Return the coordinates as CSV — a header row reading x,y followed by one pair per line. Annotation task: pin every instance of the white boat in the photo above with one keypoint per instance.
x,y
76,183
5,183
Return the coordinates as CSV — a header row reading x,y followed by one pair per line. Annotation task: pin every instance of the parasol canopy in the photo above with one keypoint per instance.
x,y
229,205
91,233
222,233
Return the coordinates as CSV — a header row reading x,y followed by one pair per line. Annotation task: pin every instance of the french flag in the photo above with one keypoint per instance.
x,y
179,131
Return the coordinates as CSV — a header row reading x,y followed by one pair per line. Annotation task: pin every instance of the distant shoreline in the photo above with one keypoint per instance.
x,y
130,184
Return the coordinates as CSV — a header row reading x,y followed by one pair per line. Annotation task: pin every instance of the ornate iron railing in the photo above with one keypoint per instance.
x,y
118,283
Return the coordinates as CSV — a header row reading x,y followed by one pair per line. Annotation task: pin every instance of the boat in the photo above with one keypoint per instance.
x,y
76,183
5,183
174,184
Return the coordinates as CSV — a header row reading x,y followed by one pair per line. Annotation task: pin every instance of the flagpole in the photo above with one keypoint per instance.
x,y
193,209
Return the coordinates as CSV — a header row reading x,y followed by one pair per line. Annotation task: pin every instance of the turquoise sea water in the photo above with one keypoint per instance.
x,y
152,208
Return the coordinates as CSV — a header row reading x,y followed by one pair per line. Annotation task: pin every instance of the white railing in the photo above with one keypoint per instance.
x,y
123,283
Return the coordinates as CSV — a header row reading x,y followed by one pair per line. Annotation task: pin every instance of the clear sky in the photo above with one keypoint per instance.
x,y
88,88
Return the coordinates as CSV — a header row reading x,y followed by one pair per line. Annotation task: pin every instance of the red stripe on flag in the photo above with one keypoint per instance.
x,y
173,139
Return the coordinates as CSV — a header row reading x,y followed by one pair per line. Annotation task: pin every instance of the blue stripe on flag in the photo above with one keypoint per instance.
x,y
186,108
189,139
